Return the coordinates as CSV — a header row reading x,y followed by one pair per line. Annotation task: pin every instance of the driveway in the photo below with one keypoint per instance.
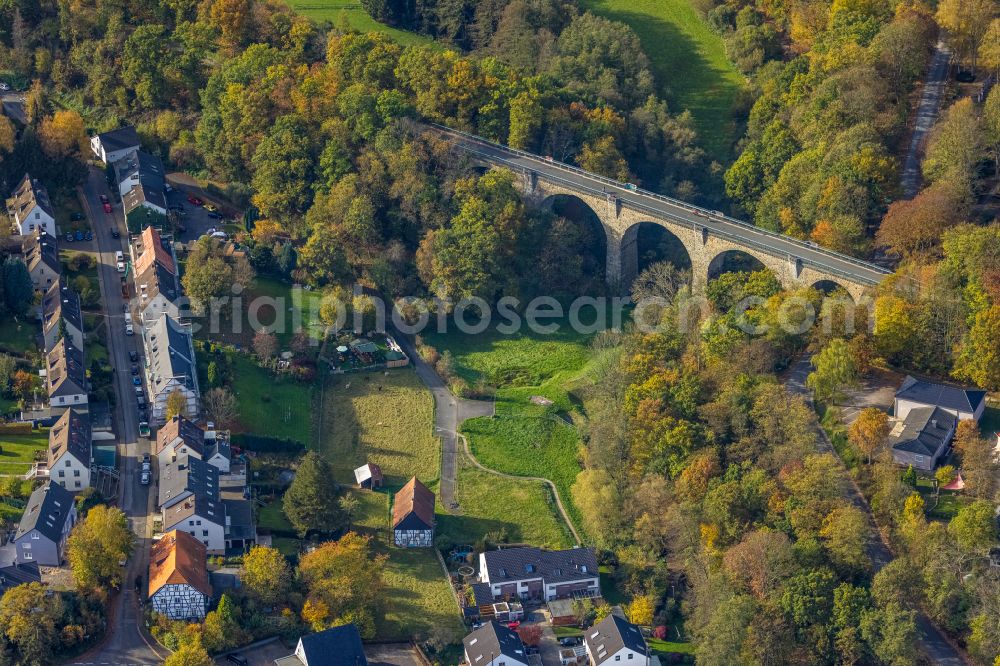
x,y
392,654
127,642
927,113
259,655
877,389
548,649
932,642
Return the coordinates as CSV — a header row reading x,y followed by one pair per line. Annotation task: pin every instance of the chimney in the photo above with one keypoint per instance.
x,y
934,423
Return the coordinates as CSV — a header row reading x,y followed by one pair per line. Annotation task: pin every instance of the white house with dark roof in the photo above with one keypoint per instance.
x,y
69,451
493,644
615,640
30,209
922,438
141,180
65,377
61,314
45,526
963,402
187,477
202,516
538,574
336,646
170,353
41,256
109,147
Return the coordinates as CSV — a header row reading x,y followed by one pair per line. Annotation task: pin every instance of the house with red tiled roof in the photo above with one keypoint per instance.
x,y
413,516
178,579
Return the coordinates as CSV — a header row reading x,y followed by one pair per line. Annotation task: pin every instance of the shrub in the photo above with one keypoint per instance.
x,y
264,444
660,632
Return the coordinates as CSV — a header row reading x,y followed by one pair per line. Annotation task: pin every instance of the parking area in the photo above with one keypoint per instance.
x,y
392,654
196,220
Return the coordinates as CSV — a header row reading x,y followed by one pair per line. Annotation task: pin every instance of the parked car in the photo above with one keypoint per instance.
x,y
121,266
138,390
136,381
135,369
214,215
569,641
88,236
211,208
107,208
4,85
141,399
132,356
115,233
129,330
513,625
144,477
104,198
194,201
143,429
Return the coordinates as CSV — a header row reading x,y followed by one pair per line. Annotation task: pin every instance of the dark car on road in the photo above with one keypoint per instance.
x,y
132,356
76,217
135,369
115,233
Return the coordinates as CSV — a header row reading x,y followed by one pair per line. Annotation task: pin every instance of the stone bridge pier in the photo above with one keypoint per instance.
x,y
706,248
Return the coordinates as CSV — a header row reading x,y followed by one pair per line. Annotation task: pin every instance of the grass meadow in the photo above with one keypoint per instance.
x,y
17,452
689,62
335,11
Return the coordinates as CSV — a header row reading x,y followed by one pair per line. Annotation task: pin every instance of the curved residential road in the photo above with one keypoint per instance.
x,y
938,649
743,233
927,112
127,641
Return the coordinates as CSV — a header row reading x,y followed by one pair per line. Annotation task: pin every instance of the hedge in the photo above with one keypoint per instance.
x,y
263,444
16,428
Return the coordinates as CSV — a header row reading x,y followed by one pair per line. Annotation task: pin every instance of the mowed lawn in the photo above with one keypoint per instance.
x,y
519,511
299,310
270,405
419,600
356,16
18,451
689,62
18,337
386,419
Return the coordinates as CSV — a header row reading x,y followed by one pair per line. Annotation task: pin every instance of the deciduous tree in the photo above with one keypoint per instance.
x,y
869,431
220,406
176,404
96,546
835,371
266,574
63,135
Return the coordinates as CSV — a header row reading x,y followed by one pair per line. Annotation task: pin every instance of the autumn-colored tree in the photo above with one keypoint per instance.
x,y
913,227
265,344
894,326
97,544
845,532
943,476
219,405
28,616
966,21
760,562
979,355
7,135
266,232
63,135
176,404
316,613
23,384
346,576
234,21
869,431
189,654
530,634
640,610
955,146
266,574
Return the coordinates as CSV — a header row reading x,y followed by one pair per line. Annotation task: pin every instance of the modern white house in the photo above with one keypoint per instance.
x,y
45,526
963,402
30,209
178,578
170,353
65,377
493,644
615,640
109,147
184,478
544,575
61,315
69,451
179,437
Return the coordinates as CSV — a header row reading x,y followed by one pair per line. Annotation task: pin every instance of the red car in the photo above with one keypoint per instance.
x,y
107,207
513,625
194,201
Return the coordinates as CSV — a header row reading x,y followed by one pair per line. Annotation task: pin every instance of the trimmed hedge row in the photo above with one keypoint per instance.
x,y
264,444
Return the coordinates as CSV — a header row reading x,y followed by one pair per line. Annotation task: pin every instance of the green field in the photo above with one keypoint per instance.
x,y
522,510
265,297
689,62
391,427
277,407
418,598
18,451
351,11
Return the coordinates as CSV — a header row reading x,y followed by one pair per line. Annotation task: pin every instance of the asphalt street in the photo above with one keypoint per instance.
x,y
745,233
126,643
927,113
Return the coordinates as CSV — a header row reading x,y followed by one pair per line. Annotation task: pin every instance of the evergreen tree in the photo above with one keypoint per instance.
x,y
311,502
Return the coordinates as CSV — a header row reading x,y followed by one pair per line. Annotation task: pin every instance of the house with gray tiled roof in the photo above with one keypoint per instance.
x,y
109,147
964,402
538,574
615,640
45,526
170,353
922,438
493,644
30,209
65,377
41,256
61,315
69,452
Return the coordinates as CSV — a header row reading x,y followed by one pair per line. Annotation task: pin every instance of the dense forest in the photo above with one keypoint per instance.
x,y
701,473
